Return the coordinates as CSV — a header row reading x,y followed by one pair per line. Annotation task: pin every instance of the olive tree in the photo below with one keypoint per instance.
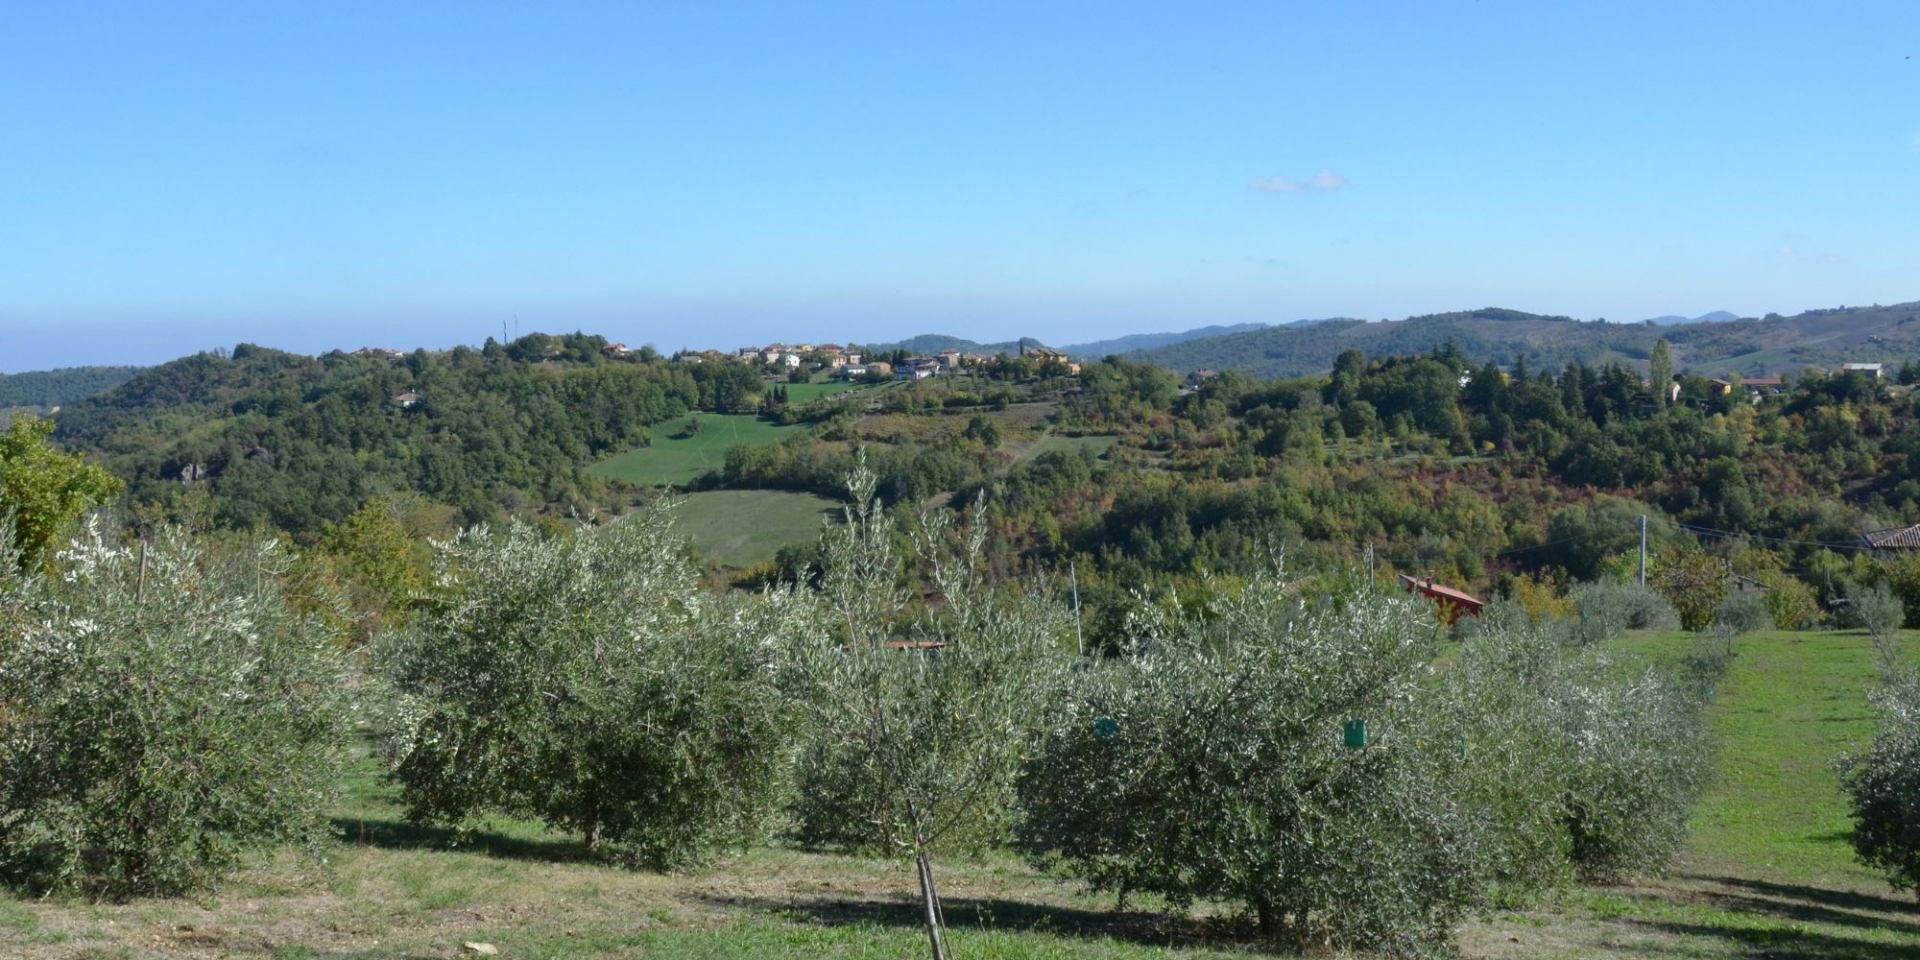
x,y
162,711
1304,760
917,718
1501,705
1608,608
1877,609
586,680
1579,762
1268,753
1883,784
1640,757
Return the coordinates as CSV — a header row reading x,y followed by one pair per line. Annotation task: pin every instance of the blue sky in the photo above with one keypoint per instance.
x,y
179,176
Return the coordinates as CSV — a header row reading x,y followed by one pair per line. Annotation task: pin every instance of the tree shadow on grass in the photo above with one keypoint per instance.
x,y
1788,943
388,834
1813,904
968,913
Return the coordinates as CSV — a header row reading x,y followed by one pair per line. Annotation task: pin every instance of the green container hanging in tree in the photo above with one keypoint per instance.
x,y
1356,734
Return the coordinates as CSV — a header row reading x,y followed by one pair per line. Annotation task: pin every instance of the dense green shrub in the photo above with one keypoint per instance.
x,y
42,490
1883,785
160,718
1790,603
586,680
1691,579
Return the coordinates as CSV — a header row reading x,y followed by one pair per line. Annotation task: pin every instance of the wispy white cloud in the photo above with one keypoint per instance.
x,y
1790,252
1326,181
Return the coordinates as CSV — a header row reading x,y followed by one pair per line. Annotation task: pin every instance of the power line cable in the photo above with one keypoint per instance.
x,y
1757,538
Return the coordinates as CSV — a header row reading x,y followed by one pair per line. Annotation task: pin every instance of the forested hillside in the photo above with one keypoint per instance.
x,y
46,389
290,442
1748,347
1479,473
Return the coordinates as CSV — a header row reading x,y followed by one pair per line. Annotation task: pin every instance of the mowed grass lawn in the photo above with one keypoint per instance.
x,y
802,392
1768,874
739,528
677,457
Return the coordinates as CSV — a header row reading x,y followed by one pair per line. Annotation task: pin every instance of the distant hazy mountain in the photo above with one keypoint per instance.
x,y
930,343
1748,347
1717,316
1147,341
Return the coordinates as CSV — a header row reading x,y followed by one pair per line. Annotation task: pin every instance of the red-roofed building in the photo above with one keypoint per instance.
x,y
1452,602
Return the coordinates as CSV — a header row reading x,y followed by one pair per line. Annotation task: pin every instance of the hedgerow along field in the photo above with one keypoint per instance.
x,y
1768,872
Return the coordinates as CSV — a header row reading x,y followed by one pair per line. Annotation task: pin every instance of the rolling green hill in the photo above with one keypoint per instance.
x,y
1748,347
1148,341
292,442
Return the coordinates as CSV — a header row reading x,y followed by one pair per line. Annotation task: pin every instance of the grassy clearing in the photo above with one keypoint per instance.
x,y
739,528
1768,874
679,455
802,392
1052,443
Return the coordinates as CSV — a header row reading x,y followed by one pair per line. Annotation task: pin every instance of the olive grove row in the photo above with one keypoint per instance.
x,y
1330,763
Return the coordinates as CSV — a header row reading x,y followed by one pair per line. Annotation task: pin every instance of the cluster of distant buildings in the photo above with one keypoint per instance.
x,y
850,363
1758,387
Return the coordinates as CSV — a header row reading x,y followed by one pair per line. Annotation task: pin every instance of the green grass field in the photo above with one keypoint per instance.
x,y
677,458
802,392
739,528
1768,874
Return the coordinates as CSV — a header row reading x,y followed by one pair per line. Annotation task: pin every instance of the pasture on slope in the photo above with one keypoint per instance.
x,y
678,454
1768,873
740,528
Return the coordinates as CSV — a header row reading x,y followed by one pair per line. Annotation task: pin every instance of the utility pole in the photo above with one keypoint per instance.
x,y
1078,641
1370,565
1643,549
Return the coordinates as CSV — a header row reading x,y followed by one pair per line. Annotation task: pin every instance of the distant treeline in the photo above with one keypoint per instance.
x,y
45,389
